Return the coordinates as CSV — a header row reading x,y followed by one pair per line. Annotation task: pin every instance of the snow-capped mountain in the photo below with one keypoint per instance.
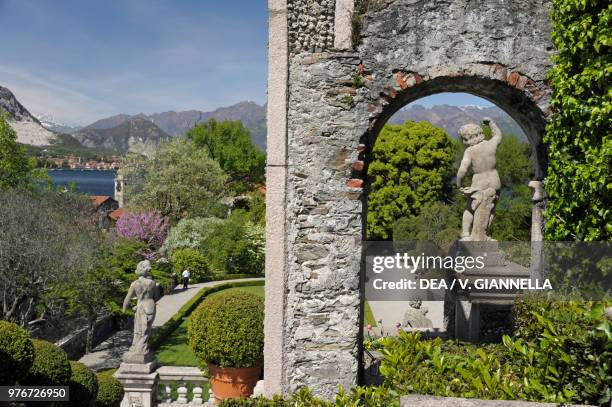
x,y
50,123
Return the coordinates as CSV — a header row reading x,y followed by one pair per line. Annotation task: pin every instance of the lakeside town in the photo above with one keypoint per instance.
x,y
73,162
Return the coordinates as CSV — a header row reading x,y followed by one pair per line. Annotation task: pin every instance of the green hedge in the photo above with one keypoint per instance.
x,y
110,391
227,330
579,136
160,335
358,396
51,366
223,277
562,353
83,385
16,353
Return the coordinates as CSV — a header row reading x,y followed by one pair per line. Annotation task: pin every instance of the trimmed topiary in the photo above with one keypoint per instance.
x,y
83,385
16,353
110,391
227,330
51,366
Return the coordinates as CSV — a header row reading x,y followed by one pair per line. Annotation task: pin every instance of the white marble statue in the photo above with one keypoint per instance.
x,y
482,194
145,290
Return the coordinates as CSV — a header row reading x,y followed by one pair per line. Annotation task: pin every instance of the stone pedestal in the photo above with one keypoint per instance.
x,y
139,379
469,298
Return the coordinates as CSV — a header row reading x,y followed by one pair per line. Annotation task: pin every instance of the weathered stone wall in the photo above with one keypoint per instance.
x,y
336,103
311,25
324,225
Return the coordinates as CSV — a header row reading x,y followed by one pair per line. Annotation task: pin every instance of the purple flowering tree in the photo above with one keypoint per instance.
x,y
148,227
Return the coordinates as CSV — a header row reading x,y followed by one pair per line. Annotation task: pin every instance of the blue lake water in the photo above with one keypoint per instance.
x,y
90,182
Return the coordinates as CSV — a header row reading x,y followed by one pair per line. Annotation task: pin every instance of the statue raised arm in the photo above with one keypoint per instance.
x,y
482,194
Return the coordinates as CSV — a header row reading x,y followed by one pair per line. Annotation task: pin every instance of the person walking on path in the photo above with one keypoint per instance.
x,y
186,276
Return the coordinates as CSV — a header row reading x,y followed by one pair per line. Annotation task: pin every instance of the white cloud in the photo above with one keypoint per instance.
x,y
43,96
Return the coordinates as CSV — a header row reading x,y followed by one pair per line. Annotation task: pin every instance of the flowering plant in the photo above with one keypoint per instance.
x,y
373,339
150,228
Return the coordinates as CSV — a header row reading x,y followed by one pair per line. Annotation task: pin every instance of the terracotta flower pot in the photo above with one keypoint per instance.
x,y
230,382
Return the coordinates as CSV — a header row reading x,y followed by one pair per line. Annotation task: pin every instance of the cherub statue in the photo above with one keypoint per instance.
x,y
145,290
415,316
482,194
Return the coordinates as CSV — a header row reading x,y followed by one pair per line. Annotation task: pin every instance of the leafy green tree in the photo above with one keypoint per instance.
x,y
192,260
229,143
412,167
236,246
121,256
47,241
180,181
512,217
579,136
16,168
256,209
190,234
514,162
437,222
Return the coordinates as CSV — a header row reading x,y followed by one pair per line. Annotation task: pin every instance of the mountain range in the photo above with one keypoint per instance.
x,y
136,135
252,116
451,118
142,133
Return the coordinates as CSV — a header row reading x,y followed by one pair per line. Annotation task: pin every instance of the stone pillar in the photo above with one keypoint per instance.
x,y
538,200
467,320
276,175
139,380
342,24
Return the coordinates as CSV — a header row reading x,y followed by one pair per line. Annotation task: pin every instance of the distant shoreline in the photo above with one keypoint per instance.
x,y
78,169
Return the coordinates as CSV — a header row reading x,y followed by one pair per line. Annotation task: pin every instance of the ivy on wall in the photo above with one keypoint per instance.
x,y
579,185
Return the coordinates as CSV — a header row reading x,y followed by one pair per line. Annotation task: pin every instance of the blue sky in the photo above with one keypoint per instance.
x,y
83,60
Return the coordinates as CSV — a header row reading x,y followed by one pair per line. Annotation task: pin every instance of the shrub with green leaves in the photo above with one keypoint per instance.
x,y
83,385
579,136
373,396
16,353
412,166
437,222
227,330
51,366
434,367
563,350
562,353
110,391
190,233
236,246
192,260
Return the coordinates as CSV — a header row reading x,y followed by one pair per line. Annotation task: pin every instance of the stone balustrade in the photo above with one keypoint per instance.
x,y
181,376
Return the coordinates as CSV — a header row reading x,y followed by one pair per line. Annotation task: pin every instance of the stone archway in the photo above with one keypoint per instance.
x,y
519,96
327,100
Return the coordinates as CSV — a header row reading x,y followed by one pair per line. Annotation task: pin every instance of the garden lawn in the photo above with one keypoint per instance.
x,y
175,349
368,315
